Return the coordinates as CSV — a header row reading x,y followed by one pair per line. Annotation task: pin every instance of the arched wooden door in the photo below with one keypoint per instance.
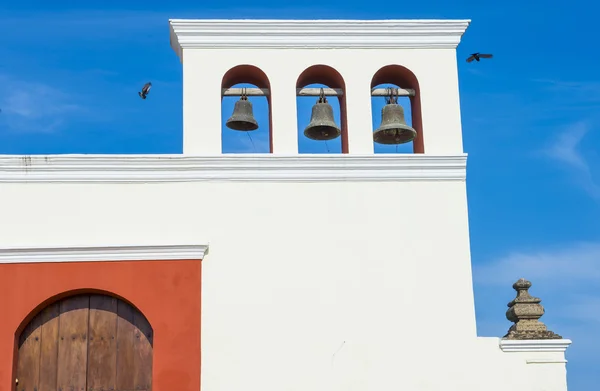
x,y
86,343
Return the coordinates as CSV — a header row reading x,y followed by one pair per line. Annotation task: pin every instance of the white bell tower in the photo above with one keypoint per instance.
x,y
361,279
419,54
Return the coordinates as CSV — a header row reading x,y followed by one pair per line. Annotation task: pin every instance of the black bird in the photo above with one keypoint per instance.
x,y
477,56
145,90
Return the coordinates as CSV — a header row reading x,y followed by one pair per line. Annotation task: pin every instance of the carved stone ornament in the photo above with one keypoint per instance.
x,y
525,311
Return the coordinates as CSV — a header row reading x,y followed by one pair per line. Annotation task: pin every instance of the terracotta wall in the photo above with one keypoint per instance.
x,y
166,292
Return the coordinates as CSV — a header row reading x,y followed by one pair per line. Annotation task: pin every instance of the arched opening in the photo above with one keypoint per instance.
x,y
397,76
85,342
245,138
317,77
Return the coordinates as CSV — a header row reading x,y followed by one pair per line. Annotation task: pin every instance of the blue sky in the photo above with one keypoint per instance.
x,y
69,79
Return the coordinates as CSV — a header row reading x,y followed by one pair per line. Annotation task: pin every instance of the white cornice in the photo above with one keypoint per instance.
x,y
315,34
537,345
545,361
104,253
242,167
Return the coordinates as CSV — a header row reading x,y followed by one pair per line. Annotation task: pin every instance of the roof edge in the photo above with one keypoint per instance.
x,y
316,34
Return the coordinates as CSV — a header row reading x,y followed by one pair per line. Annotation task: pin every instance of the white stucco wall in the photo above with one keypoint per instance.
x,y
346,285
293,271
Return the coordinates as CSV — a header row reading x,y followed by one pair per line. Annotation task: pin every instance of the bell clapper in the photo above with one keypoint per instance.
x,y
245,96
251,141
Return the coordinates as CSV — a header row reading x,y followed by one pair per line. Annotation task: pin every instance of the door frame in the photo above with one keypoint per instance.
x,y
167,292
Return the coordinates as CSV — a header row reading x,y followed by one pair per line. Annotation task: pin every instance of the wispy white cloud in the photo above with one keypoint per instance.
x,y
92,23
588,90
35,106
585,308
75,27
565,149
555,266
570,96
544,100
565,278
478,72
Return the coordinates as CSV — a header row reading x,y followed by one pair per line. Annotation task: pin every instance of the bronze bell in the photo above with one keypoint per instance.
x,y
322,127
242,118
393,128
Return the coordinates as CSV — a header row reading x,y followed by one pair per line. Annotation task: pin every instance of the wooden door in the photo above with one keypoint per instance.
x,y
86,343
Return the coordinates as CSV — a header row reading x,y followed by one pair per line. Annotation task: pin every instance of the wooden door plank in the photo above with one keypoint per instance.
x,y
102,347
125,346
86,343
72,343
49,348
143,353
28,367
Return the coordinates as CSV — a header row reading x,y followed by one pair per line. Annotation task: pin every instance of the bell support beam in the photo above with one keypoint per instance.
x,y
313,91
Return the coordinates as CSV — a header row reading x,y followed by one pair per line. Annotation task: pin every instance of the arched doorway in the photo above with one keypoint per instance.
x,y
88,342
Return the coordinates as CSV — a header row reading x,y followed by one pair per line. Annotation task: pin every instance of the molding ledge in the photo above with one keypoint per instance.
x,y
102,253
544,361
315,34
229,167
537,345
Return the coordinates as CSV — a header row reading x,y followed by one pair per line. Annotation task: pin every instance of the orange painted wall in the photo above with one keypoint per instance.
x,y
166,292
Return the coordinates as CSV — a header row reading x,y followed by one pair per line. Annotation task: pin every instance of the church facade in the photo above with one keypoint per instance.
x,y
269,271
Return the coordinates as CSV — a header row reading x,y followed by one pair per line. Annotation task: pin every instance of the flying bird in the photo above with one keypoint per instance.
x,y
145,90
477,56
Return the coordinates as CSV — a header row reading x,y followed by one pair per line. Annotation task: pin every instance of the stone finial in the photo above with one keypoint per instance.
x,y
525,311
